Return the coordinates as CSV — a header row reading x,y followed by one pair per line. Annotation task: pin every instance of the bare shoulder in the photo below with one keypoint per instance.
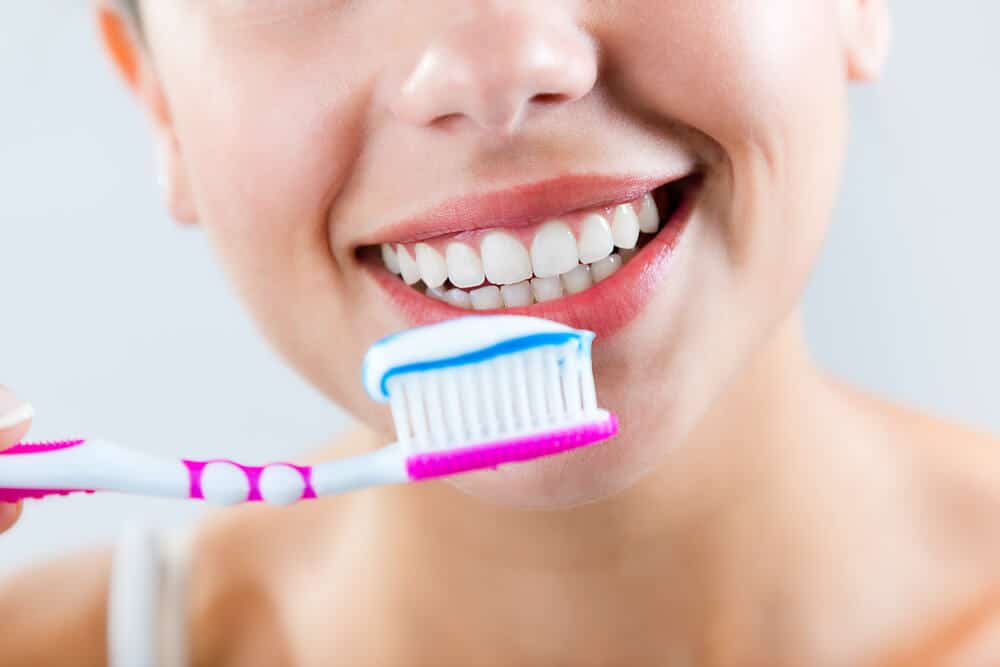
x,y
247,561
938,483
55,613
952,473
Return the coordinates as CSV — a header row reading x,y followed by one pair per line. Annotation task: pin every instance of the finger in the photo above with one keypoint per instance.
x,y
15,418
8,515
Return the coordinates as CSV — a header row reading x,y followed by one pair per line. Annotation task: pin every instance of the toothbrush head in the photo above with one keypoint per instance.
x,y
480,391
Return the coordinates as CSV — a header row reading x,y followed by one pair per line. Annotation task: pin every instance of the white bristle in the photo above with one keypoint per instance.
x,y
472,402
486,384
587,383
502,371
536,388
397,401
522,401
435,409
492,399
415,405
553,383
453,406
571,381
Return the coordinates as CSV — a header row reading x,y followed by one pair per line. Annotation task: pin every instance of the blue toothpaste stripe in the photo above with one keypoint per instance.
x,y
511,346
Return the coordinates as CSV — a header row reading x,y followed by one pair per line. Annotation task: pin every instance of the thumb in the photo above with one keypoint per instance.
x,y
15,418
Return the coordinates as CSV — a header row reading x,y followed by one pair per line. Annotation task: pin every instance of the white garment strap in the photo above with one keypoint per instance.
x,y
147,605
177,547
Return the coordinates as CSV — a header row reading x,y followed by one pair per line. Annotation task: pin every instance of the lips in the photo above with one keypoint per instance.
x,y
593,267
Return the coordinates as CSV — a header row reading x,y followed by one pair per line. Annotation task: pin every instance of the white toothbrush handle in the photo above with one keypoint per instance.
x,y
38,470
386,465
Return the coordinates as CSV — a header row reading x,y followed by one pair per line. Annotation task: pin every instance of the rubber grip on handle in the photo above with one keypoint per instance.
x,y
27,448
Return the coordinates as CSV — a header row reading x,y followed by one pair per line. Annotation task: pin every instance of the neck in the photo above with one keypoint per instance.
x,y
667,552
745,434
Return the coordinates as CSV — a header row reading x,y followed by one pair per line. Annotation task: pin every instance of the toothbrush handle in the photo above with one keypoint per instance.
x,y
13,495
37,470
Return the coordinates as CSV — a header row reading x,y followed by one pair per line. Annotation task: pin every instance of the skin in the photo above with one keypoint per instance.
x,y
753,510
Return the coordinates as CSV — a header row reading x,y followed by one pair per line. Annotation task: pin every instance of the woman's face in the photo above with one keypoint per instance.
x,y
307,133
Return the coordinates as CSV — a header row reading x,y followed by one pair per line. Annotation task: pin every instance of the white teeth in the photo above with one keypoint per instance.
x,y
504,273
505,259
577,280
407,266
465,269
389,258
546,289
517,295
553,251
625,227
595,240
649,215
433,270
605,268
459,298
437,293
486,298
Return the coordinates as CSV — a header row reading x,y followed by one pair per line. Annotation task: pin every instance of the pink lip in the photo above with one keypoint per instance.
x,y
605,308
522,205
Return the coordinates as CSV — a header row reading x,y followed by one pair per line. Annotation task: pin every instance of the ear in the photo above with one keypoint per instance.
x,y
867,32
131,58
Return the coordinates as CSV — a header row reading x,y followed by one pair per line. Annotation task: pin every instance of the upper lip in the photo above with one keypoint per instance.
x,y
523,205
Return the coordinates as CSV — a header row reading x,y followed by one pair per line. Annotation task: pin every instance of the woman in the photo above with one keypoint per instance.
x,y
753,511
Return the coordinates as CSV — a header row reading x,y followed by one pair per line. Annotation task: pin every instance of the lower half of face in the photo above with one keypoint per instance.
x,y
674,203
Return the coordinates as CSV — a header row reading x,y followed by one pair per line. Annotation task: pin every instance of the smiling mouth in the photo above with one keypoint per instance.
x,y
536,267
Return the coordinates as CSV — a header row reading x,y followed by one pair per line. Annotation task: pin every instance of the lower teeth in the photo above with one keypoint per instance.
x,y
529,292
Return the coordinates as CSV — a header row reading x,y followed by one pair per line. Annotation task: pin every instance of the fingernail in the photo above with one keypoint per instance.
x,y
13,411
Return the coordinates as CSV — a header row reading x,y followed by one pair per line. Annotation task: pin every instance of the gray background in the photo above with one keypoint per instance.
x,y
116,323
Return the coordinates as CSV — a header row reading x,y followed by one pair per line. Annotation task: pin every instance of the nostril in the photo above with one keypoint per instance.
x,y
551,98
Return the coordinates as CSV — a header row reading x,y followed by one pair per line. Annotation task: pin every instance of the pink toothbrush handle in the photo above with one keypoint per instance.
x,y
86,466
253,474
24,448
17,495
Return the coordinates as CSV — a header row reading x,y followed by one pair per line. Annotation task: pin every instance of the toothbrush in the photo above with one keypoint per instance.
x,y
466,394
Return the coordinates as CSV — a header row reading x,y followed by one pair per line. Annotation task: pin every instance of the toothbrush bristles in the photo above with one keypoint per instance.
x,y
536,390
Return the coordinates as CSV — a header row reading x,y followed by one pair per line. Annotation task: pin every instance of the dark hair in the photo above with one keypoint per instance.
x,y
131,9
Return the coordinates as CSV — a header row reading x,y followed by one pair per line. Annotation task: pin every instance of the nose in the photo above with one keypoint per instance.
x,y
496,67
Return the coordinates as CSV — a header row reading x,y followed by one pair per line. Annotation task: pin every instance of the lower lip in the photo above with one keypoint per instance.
x,y
606,308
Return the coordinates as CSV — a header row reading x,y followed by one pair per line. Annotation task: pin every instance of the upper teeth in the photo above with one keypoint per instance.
x,y
649,215
595,241
560,259
553,252
505,259
465,269
433,270
407,266
625,227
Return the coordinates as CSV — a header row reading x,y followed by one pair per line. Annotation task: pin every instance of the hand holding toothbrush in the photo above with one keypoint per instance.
x,y
15,419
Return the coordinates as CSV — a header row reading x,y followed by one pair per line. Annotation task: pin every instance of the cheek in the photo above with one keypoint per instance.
x,y
764,80
265,147
269,133
738,71
266,143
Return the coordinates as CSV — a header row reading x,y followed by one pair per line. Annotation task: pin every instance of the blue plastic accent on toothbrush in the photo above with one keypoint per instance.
x,y
512,346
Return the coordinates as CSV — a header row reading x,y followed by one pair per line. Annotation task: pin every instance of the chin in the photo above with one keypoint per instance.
x,y
580,477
